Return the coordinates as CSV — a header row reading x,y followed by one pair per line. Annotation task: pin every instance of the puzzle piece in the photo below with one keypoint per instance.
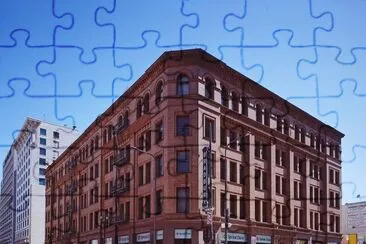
x,y
210,25
19,61
160,16
71,109
19,105
102,72
348,21
84,32
329,82
273,78
37,18
343,106
259,20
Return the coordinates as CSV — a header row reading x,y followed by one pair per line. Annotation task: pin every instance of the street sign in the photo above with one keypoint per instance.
x,y
206,178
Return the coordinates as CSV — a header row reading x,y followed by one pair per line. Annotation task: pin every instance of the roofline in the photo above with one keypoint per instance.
x,y
165,56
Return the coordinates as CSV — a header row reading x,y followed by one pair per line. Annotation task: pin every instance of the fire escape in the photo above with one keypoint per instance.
x,y
70,201
121,183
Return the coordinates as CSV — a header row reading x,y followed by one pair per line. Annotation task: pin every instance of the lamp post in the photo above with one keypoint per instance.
x,y
155,207
226,186
104,218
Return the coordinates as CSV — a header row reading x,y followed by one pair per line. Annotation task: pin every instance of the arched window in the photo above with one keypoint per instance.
x,y
104,136
146,103
235,101
159,93
209,89
259,113
96,143
139,108
120,121
110,131
224,96
126,121
182,85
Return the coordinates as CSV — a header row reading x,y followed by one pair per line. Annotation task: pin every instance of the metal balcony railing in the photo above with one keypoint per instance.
x,y
118,219
121,188
72,163
122,158
120,126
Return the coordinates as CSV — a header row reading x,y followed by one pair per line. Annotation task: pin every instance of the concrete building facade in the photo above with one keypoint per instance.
x,y
22,207
7,198
354,219
276,169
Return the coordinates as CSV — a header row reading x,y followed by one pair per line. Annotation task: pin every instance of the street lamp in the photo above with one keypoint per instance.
x,y
226,186
104,218
155,204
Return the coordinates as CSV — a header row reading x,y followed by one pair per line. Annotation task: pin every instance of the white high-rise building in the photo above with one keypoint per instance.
x,y
7,199
37,145
354,219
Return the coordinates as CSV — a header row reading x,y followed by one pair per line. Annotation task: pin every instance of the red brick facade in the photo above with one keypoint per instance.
x,y
282,165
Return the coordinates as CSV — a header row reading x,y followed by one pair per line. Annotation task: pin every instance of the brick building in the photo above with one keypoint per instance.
x,y
282,166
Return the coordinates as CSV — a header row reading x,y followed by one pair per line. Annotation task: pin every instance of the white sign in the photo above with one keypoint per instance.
x,y
160,235
143,237
234,237
182,234
264,239
94,242
108,240
123,239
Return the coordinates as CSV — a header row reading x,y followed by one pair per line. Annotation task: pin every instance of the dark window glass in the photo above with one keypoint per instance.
x,y
182,125
183,200
182,162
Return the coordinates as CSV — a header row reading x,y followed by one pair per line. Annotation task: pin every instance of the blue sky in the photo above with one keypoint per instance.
x,y
65,61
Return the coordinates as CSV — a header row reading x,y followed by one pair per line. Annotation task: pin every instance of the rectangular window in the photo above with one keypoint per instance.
x,y
159,167
257,210
241,175
148,140
148,173
182,162
159,202
233,140
42,151
223,136
242,208
147,206
233,172
56,135
42,171
42,141
42,181
42,161
233,206
222,169
159,132
278,184
209,127
141,175
257,178
182,126
141,208
278,214
183,200
96,169
222,204
43,132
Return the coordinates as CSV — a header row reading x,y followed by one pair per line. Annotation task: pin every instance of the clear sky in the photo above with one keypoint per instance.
x,y
65,61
